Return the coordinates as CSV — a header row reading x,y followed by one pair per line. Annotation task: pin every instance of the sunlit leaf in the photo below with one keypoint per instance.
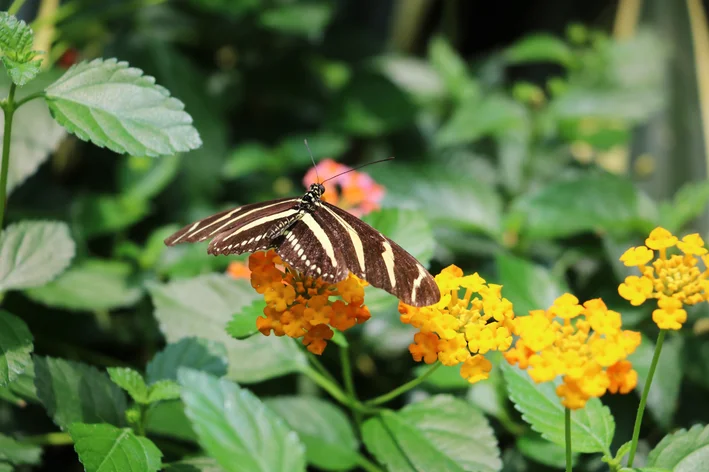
x,y
15,347
682,451
131,381
527,285
301,18
105,448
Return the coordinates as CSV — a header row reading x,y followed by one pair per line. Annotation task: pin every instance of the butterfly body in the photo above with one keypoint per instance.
x,y
316,239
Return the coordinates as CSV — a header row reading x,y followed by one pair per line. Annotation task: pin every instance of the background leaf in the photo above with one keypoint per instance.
x,y
243,324
78,393
15,347
540,48
130,381
32,253
408,228
194,353
105,448
236,429
683,451
151,123
528,286
17,452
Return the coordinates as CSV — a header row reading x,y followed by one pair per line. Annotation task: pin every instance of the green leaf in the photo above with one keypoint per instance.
x,y
105,448
202,306
243,324
116,106
131,381
689,202
474,119
142,178
305,19
439,433
16,452
168,419
528,286
21,72
663,397
163,390
413,75
99,215
409,228
452,69
539,48
247,158
16,39
33,252
371,105
194,353
34,133
195,464
15,347
324,144
682,451
22,389
592,427
586,203
327,434
91,285
542,451
444,377
236,429
72,392
634,105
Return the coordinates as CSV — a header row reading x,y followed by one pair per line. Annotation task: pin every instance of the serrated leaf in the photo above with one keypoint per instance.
x,y
194,353
168,419
35,134
15,347
17,452
202,306
243,324
689,202
539,48
21,72
116,106
327,434
195,464
72,392
683,451
542,451
163,390
236,429
306,19
439,433
131,381
93,284
592,427
663,397
105,448
528,286
601,202
16,38
33,252
22,389
409,228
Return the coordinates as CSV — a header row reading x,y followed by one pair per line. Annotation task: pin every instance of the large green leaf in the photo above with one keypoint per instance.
x,y
34,133
168,419
195,464
304,18
409,228
592,427
202,306
72,392
15,347
327,434
236,429
93,284
689,202
663,397
116,106
539,48
452,69
32,253
682,451
439,433
194,353
528,286
586,203
105,448
17,452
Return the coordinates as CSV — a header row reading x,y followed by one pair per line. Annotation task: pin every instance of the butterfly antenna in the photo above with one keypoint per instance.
x,y
358,167
312,159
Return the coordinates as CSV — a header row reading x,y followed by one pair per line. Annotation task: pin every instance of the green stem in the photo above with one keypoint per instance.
x,y
15,7
50,439
335,392
318,365
402,389
567,432
643,397
29,97
140,427
368,465
8,108
349,383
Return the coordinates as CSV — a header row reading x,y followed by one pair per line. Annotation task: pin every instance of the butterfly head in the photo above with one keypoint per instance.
x,y
317,190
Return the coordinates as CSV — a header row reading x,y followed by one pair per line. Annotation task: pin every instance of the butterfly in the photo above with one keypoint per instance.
x,y
318,240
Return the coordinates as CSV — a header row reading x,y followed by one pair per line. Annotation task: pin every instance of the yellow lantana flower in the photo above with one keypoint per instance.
x,y
460,329
674,280
588,354
300,306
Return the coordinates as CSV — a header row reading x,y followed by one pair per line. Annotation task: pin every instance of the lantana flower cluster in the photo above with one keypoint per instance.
x,y
301,307
583,345
674,280
461,329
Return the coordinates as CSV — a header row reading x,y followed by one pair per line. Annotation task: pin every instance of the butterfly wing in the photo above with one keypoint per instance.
x,y
239,230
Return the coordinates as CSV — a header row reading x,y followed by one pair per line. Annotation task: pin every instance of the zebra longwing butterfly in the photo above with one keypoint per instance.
x,y
316,239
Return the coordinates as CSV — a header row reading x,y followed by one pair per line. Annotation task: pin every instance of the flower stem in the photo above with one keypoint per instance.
x,y
29,97
402,389
643,397
567,433
349,383
15,7
8,108
335,392
50,439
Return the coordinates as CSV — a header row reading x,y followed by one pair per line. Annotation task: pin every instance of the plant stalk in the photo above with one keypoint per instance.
x,y
349,383
402,389
567,434
8,108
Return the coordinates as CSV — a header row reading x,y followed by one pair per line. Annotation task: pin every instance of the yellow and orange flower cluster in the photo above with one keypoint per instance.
x,y
461,329
588,353
674,280
354,191
300,306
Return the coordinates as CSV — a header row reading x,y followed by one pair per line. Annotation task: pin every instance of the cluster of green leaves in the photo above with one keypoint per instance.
x,y
488,175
